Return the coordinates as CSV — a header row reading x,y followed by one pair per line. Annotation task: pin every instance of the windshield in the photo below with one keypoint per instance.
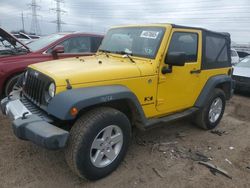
x,y
244,63
43,42
136,41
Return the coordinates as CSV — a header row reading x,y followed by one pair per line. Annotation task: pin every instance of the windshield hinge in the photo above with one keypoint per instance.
x,y
68,84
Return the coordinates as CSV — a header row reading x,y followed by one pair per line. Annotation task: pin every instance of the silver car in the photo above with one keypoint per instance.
x,y
241,74
234,57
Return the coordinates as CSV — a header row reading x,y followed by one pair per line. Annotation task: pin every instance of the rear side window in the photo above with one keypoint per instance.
x,y
216,52
185,42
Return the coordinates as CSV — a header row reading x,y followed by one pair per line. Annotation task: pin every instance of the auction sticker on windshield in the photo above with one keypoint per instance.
x,y
149,34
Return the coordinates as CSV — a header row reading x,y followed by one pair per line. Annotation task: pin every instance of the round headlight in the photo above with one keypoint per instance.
x,y
25,77
52,90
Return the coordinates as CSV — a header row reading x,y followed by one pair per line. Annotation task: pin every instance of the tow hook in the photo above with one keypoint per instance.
x,y
24,115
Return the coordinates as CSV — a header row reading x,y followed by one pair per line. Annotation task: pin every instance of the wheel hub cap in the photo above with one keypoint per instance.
x,y
215,110
106,146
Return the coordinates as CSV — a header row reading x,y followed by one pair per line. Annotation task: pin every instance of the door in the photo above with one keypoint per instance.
x,y
177,90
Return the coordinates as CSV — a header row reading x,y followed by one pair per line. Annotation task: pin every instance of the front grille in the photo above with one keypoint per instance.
x,y
35,87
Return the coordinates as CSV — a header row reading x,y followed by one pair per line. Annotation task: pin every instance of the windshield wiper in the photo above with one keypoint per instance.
x,y
126,54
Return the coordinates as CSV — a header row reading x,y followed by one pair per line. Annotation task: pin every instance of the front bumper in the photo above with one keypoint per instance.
x,y
242,86
29,126
242,83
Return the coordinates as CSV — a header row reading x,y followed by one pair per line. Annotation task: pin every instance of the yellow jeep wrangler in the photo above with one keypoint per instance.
x,y
142,76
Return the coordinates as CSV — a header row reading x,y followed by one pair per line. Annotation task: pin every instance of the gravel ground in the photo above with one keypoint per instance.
x,y
163,157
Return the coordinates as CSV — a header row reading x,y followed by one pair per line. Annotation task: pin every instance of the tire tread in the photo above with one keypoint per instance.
x,y
78,132
200,118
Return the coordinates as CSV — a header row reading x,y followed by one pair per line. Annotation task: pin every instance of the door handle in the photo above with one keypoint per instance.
x,y
195,71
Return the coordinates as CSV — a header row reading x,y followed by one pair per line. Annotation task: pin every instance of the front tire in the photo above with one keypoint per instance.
x,y
11,84
98,143
210,115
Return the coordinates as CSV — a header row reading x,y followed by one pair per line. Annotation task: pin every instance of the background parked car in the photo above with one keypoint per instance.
x,y
235,57
16,56
241,74
242,54
25,38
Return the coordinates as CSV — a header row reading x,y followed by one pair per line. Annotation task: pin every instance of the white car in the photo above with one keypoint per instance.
x,y
235,57
24,38
241,74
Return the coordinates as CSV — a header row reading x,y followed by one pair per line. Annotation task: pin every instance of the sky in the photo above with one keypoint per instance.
x,y
98,16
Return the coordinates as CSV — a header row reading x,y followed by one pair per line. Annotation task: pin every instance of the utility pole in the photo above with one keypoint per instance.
x,y
58,11
22,22
35,27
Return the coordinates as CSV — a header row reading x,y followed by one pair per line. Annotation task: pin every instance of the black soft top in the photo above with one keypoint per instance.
x,y
207,63
226,34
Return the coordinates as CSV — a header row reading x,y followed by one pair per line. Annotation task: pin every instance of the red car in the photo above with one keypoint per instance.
x,y
15,56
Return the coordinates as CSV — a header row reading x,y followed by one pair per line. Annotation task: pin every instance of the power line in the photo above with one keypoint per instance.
x,y
155,2
35,27
129,7
58,11
163,16
214,21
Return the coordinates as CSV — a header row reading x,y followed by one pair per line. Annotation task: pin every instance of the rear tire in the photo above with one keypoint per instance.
x,y
89,151
210,115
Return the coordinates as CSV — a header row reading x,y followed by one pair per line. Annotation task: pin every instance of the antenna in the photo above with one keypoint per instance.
x,y
35,27
58,11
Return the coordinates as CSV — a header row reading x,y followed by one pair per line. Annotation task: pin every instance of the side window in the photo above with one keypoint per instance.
x,y
77,45
185,42
96,42
216,52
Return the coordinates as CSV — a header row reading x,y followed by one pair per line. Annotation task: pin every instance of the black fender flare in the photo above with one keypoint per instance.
x,y
212,83
81,98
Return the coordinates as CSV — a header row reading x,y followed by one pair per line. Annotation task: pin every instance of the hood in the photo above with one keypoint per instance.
x,y
5,36
88,69
241,71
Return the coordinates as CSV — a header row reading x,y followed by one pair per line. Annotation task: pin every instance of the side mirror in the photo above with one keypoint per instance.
x,y
173,59
176,59
58,49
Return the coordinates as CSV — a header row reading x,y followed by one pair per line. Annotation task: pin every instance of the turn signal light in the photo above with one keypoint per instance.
x,y
73,111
